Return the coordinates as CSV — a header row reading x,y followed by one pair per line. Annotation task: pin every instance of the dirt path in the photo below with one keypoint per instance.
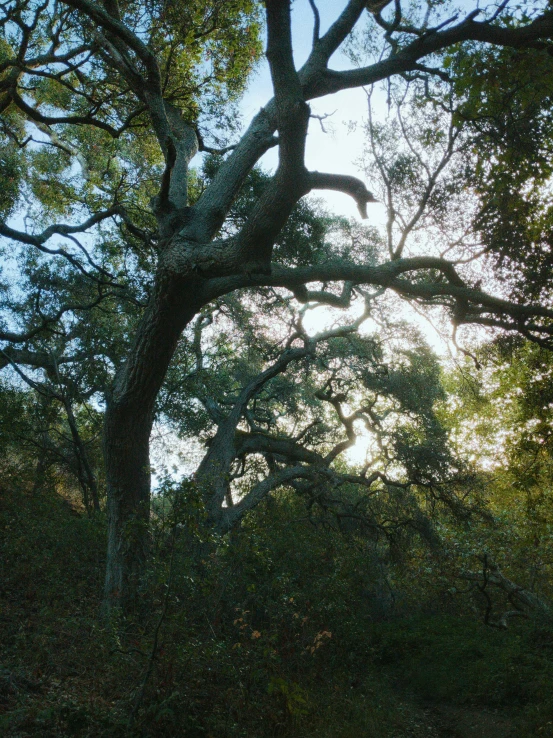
x,y
462,722
450,721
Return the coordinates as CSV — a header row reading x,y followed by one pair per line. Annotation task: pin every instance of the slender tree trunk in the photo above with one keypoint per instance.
x,y
128,424
87,479
44,461
41,467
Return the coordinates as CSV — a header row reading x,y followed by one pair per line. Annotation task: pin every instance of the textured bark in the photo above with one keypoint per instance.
x,y
128,425
213,473
126,444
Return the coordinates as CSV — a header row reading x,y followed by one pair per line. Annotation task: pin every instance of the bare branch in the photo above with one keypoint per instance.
x,y
343,183
47,321
336,34
65,230
432,41
317,21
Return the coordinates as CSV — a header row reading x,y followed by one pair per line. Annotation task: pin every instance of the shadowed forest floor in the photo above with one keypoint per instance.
x,y
224,669
450,721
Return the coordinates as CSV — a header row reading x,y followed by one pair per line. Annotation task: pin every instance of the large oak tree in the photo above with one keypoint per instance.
x,y
104,105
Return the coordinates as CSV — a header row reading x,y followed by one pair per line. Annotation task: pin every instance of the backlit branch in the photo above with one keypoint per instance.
x,y
336,34
316,21
49,320
343,183
66,231
343,300
405,59
229,444
449,291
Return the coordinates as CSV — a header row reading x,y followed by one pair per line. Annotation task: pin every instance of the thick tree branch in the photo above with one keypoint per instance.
x,y
343,300
345,420
518,597
211,209
343,183
231,515
39,359
317,81
213,472
255,242
407,58
390,275
288,448
227,445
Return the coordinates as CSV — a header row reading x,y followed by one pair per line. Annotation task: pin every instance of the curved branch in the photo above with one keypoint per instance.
x,y
343,183
13,337
66,231
115,26
255,443
231,515
37,116
390,275
431,42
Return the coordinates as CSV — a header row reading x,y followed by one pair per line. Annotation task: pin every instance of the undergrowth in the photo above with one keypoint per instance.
x,y
284,630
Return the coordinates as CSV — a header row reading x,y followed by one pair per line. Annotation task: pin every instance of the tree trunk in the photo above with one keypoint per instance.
x,y
128,424
126,448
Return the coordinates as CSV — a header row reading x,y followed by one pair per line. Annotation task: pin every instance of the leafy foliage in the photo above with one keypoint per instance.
x,y
291,628
504,98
